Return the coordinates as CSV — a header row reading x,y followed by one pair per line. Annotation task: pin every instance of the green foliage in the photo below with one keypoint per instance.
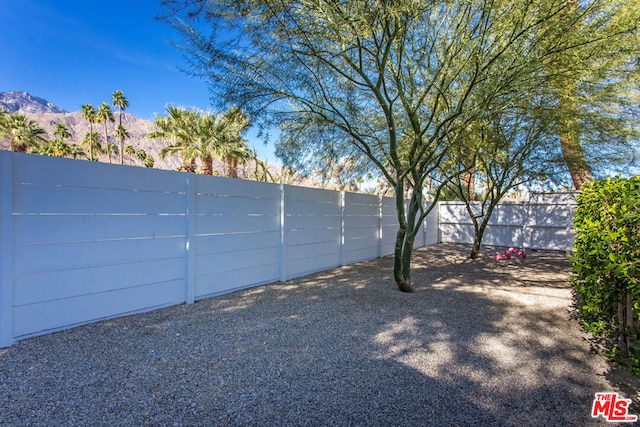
x,y
606,264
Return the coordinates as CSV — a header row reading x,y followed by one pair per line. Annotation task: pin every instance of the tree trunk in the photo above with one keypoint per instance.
x,y
106,140
569,134
18,147
566,85
477,240
188,165
207,165
91,141
121,138
469,177
232,167
405,237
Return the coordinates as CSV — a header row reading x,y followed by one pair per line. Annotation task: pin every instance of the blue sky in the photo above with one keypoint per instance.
x,y
73,52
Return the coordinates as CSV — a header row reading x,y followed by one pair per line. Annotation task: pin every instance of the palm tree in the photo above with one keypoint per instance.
x,y
105,115
234,150
62,132
25,134
89,114
177,128
121,103
198,135
130,150
59,148
92,139
121,134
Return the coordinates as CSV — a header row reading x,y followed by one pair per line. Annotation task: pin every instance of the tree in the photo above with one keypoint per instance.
x,y
591,83
506,149
121,103
105,115
121,134
175,128
395,78
141,154
59,148
232,147
62,132
201,135
24,134
130,150
92,140
90,114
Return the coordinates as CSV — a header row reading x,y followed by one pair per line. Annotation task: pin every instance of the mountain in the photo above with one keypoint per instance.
x,y
47,115
25,103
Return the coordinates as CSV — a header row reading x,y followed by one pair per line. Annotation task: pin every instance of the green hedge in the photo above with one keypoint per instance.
x,y
606,262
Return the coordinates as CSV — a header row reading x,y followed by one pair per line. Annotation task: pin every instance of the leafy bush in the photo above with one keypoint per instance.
x,y
606,263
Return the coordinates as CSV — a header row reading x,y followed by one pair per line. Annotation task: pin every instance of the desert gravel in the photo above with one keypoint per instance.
x,y
479,343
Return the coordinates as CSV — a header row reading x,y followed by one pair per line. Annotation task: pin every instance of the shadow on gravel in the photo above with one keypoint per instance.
x,y
473,346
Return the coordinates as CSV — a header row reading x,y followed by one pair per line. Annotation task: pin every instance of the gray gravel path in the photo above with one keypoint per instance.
x,y
478,343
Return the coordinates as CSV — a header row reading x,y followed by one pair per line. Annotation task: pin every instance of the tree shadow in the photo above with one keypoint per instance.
x,y
342,347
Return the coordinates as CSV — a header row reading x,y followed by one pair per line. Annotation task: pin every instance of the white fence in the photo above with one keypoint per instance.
x,y
541,223
82,241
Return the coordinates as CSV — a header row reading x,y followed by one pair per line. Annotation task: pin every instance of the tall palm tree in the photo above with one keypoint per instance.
x,y
177,129
105,115
130,150
61,132
89,114
205,136
121,134
25,134
59,148
120,102
92,139
233,148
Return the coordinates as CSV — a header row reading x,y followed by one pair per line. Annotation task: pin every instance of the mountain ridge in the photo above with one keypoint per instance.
x,y
47,115
25,103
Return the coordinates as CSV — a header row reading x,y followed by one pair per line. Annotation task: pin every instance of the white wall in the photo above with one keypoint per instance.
x,y
83,241
536,225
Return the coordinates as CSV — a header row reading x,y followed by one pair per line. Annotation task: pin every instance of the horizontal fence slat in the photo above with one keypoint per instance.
x,y
207,185
313,222
31,229
217,224
74,255
51,315
228,261
228,205
42,170
213,244
70,283
217,283
47,199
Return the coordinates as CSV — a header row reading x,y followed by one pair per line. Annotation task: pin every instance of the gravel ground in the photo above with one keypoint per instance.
x,y
479,343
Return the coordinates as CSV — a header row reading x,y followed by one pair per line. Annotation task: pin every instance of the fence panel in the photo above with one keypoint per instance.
x,y
535,225
83,241
389,226
361,227
312,227
237,234
93,241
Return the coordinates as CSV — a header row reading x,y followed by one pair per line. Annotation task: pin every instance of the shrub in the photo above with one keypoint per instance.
x,y
606,262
